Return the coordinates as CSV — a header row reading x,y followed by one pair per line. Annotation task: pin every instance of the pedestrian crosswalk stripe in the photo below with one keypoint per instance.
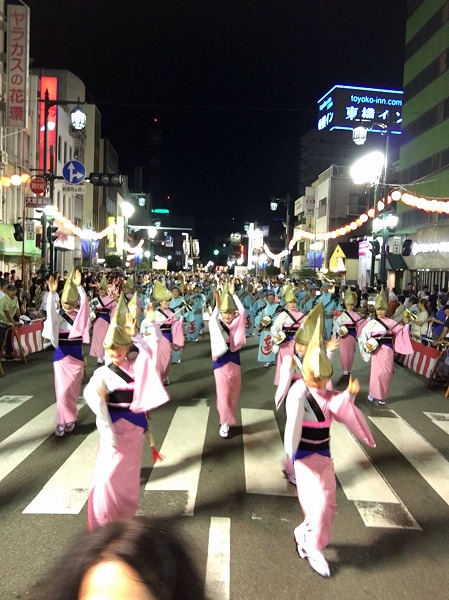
x,y
218,559
263,454
426,459
183,452
441,420
67,491
19,445
9,403
362,483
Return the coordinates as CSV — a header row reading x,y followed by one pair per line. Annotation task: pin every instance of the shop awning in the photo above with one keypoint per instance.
x,y
10,247
396,262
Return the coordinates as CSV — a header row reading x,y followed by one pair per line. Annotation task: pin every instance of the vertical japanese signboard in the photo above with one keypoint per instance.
x,y
17,65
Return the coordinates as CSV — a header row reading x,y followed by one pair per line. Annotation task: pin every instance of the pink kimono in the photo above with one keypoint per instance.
x,y
391,337
132,389
226,341
287,322
67,334
172,333
100,326
354,323
306,441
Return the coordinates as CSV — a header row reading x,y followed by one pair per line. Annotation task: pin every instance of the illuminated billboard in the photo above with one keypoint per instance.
x,y
49,84
346,107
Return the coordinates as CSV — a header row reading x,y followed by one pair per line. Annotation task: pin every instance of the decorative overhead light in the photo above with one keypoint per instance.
x,y
78,119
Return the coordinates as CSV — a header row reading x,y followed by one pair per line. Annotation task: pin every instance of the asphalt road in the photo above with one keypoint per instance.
x,y
390,535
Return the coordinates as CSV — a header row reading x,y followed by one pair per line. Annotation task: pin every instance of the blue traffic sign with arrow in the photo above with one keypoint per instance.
x,y
74,171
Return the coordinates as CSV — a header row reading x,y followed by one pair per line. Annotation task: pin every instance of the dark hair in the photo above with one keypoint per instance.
x,y
423,301
149,546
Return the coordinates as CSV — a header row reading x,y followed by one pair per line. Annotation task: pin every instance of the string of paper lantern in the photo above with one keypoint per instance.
x,y
438,205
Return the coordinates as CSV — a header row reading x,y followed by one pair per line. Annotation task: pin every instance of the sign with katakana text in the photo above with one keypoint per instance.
x,y
17,65
346,107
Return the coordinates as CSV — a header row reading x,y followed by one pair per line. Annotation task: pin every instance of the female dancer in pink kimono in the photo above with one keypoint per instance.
x,y
67,329
347,327
284,328
378,341
227,336
105,306
291,367
121,394
172,329
310,409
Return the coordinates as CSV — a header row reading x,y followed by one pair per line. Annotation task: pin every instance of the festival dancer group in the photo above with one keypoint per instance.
x,y
133,368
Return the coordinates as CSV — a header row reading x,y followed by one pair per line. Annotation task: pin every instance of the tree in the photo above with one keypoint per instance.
x,y
113,261
272,271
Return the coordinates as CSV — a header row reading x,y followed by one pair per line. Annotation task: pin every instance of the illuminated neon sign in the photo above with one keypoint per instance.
x,y
50,84
345,107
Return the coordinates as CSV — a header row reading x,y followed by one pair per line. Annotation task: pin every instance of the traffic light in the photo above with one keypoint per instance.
x,y
18,232
375,247
51,234
407,247
106,179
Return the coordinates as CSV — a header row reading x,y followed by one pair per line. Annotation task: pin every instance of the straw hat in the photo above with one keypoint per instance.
x,y
289,294
227,302
350,297
316,363
70,293
116,334
381,301
160,292
307,328
129,287
103,285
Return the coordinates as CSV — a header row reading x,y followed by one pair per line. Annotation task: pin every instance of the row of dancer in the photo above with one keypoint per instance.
x,y
121,394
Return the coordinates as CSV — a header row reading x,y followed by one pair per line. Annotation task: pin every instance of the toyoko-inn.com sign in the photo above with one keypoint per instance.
x,y
346,107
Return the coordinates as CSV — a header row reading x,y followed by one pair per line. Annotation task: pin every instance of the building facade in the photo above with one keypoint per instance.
x,y
424,156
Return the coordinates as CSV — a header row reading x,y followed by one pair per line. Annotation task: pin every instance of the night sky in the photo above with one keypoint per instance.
x,y
233,84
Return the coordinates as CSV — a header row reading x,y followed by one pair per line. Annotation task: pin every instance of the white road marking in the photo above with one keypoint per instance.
x,y
441,420
424,457
67,491
218,559
183,453
20,444
264,454
362,483
9,403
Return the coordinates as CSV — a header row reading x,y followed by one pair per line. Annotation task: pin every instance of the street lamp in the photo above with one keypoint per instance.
x,y
383,223
78,124
48,215
274,205
369,170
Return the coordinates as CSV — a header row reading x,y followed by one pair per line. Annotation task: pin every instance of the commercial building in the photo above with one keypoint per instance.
x,y
424,158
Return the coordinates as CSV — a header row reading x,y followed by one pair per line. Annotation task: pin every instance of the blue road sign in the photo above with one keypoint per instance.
x,y
74,171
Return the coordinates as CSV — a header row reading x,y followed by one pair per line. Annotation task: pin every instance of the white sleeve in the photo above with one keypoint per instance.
x,y
294,407
217,341
99,406
51,324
